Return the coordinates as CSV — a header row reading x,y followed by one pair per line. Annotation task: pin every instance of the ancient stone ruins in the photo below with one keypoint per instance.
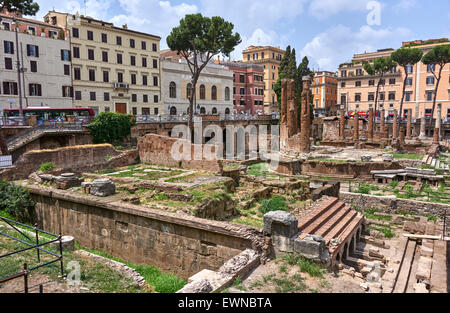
x,y
352,205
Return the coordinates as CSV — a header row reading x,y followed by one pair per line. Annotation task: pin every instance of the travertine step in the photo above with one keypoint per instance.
x,y
312,216
405,268
324,218
334,221
439,275
344,222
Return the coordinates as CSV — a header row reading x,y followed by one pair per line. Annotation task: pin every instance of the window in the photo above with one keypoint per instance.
x,y
119,58
382,82
75,33
33,51
145,99
65,55
67,91
391,96
106,96
8,47
143,45
409,81
92,75
133,79
155,111
76,73
105,76
430,80
343,84
35,90
133,60
408,96
202,92
409,68
33,66
10,88
214,93
359,72
144,80
105,56
90,35
107,109
227,93
430,68
358,83
91,54
382,96
120,77
242,91
66,69
118,40
358,97
343,73
132,44
156,100
429,95
241,78
134,110
188,90
104,38
92,96
144,62
155,63
134,97
371,82
371,96
76,52
77,95
155,47
391,81
172,90
8,64
155,80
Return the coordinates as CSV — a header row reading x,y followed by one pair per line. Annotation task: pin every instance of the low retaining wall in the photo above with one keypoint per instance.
x,y
73,158
391,204
354,169
182,245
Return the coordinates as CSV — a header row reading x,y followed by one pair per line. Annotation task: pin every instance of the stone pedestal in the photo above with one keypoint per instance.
x,y
101,187
66,181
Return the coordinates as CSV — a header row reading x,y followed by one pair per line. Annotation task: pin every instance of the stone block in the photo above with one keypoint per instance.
x,y
311,247
423,272
280,223
420,288
102,187
67,243
426,251
366,158
388,157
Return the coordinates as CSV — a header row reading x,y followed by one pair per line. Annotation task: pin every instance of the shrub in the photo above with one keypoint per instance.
x,y
394,184
277,203
47,167
15,200
110,127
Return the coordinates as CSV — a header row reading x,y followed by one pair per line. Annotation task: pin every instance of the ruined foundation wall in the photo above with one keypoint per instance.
x,y
354,169
156,149
392,204
181,245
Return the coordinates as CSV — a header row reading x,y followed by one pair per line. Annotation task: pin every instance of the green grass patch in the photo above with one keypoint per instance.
x,y
408,156
276,203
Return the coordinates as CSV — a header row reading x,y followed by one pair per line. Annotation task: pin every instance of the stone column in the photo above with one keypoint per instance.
x,y
291,108
342,126
422,128
356,128
402,135
382,124
408,124
305,116
436,136
370,126
283,101
395,125
438,121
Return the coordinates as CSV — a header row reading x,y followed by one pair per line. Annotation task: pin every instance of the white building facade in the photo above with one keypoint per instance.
x,y
213,94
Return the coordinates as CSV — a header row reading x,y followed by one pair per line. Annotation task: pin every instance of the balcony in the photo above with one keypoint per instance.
x,y
125,86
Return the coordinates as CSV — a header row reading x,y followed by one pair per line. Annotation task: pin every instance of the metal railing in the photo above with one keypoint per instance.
x,y
32,244
142,119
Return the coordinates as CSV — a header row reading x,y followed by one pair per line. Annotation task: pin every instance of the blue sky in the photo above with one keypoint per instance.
x,y
329,32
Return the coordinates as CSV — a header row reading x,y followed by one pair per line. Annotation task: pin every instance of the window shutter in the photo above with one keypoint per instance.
x,y
39,90
15,89
37,51
28,50
30,89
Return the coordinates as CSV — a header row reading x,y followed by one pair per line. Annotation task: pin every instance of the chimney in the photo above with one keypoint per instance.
x,y
125,26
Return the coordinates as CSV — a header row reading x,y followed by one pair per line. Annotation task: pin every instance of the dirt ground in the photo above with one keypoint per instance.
x,y
34,280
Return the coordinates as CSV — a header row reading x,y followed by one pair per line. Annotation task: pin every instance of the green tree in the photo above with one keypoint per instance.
x,y
198,39
379,68
26,7
110,127
439,55
404,58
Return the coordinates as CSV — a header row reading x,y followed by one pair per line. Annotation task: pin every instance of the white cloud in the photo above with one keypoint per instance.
x,y
322,9
338,44
405,5
258,38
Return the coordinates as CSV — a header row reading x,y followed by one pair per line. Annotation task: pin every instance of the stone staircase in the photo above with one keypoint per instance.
x,y
436,163
331,219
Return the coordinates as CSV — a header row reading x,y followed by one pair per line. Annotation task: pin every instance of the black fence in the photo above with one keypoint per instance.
x,y
32,244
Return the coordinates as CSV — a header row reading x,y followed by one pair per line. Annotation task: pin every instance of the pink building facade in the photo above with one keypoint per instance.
x,y
248,88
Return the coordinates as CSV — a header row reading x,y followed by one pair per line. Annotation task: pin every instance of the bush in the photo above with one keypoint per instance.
x,y
15,200
277,203
47,167
110,127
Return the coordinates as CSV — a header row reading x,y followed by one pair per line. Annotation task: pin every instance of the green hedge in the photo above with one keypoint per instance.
x,y
15,200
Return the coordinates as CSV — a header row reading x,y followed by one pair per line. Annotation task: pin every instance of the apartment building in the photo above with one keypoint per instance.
x,y
114,68
270,58
357,89
248,87
324,90
214,87
43,55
